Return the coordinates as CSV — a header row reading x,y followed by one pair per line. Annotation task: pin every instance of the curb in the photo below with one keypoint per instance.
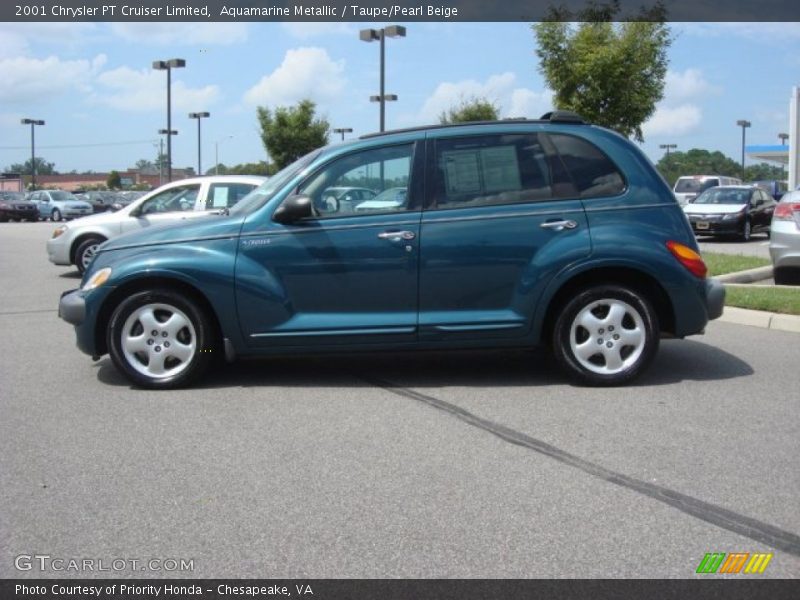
x,y
760,318
748,276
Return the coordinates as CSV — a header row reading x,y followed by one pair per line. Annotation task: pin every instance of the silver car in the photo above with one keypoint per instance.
x,y
75,243
784,245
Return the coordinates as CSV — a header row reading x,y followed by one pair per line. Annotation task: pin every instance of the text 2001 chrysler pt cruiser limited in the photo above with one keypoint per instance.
x,y
511,233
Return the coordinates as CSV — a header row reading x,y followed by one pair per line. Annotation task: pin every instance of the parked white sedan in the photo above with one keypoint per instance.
x,y
76,242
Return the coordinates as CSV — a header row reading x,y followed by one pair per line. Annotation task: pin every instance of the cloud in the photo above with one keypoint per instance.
x,y
673,121
306,31
31,80
181,34
679,113
145,90
304,73
501,89
766,33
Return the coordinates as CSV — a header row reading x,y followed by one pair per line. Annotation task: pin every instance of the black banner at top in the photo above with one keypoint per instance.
x,y
392,10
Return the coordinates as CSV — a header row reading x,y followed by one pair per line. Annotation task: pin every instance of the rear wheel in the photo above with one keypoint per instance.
x,y
160,339
606,335
85,253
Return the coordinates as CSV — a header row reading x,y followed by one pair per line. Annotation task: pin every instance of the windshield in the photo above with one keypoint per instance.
x,y
62,196
690,185
261,195
723,196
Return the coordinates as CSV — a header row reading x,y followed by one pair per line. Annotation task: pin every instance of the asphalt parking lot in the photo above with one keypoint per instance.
x,y
475,465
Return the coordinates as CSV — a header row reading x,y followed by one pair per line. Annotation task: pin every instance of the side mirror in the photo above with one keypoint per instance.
x,y
293,209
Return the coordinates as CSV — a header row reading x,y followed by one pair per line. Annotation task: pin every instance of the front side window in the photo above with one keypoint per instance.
x,y
371,181
181,198
496,169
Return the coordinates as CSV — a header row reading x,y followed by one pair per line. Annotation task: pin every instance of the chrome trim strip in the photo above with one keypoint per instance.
x,y
327,332
631,206
510,215
480,327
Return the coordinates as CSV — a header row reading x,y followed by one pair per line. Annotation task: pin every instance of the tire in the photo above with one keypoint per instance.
x,y
177,355
55,215
85,252
787,276
614,314
747,231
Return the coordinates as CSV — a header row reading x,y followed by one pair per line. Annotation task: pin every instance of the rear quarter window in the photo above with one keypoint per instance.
x,y
592,172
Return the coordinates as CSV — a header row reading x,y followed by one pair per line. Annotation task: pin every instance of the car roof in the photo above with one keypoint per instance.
x,y
220,178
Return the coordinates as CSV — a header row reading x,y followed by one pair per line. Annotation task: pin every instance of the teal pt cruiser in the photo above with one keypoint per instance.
x,y
497,234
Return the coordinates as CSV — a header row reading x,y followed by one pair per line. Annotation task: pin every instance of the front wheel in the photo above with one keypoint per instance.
x,y
85,253
160,339
606,335
747,231
55,215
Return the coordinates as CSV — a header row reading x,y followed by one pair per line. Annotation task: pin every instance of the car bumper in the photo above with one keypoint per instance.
x,y
13,213
784,245
703,227
715,298
58,250
72,307
72,213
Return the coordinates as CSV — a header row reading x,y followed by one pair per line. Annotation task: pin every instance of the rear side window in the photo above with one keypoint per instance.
x,y
591,170
497,169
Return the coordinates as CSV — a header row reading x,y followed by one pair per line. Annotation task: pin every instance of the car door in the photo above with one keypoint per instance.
x,y
339,277
167,206
502,218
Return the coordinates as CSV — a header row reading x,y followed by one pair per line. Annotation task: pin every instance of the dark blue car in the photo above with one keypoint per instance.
x,y
510,234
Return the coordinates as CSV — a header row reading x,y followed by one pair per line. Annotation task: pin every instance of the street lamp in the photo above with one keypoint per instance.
x,y
216,152
198,116
744,125
668,147
168,65
33,122
370,35
343,130
783,137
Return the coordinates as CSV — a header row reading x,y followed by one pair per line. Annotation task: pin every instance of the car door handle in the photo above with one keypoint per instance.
x,y
559,225
397,235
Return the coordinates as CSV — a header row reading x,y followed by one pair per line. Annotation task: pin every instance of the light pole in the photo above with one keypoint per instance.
x,y
168,65
783,137
668,147
744,125
343,130
216,152
198,116
370,35
32,123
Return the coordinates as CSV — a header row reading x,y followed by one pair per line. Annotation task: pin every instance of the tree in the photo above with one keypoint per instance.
x,y
696,162
42,167
114,182
763,171
612,74
472,109
291,132
146,166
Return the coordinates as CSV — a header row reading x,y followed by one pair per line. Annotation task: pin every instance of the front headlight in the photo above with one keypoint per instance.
x,y
59,230
732,216
98,279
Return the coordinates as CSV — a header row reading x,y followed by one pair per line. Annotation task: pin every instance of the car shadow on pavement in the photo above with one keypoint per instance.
x,y
677,361
71,275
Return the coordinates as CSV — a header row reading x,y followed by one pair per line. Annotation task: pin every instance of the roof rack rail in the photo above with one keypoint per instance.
x,y
563,116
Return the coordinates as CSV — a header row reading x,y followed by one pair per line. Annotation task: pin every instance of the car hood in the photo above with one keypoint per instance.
x,y
712,209
77,204
205,226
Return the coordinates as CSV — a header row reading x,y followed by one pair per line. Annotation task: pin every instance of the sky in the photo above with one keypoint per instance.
x,y
103,103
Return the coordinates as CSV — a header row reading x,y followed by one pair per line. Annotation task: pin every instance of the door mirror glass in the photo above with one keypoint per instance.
x,y
293,209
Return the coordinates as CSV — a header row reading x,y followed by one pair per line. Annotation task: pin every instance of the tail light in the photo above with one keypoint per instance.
x,y
784,210
688,258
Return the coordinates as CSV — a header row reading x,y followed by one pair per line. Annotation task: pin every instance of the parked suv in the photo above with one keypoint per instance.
x,y
690,187
511,234
75,243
